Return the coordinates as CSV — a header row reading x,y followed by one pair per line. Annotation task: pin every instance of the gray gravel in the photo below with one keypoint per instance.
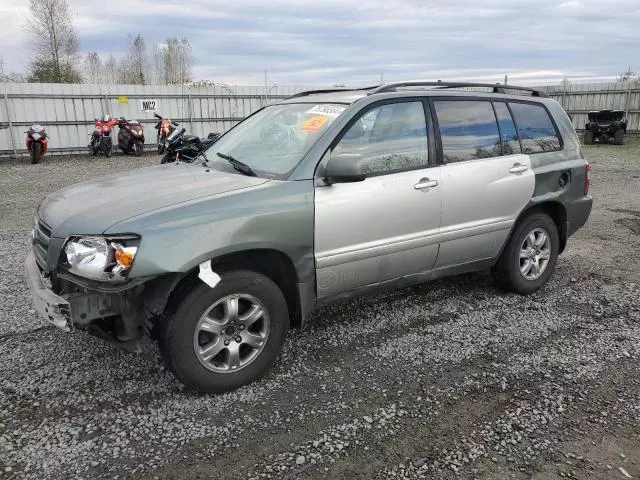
x,y
452,379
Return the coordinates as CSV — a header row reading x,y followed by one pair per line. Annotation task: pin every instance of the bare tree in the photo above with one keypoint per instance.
x,y
111,70
178,61
158,63
9,76
628,76
55,38
122,72
93,69
138,62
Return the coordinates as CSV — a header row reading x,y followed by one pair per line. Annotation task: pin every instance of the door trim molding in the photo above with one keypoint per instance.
x,y
368,250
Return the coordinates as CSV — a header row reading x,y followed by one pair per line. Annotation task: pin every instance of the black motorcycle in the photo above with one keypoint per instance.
x,y
186,148
130,137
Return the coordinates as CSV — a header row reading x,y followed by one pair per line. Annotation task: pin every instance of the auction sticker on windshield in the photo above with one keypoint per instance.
x,y
314,123
329,110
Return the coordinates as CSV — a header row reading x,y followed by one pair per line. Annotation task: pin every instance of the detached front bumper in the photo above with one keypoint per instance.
x,y
53,308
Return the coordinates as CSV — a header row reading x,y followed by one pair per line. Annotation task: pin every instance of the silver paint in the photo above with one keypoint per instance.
x,y
378,229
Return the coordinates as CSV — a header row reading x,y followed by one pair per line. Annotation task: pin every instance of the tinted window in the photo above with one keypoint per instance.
x,y
468,130
535,127
389,138
510,142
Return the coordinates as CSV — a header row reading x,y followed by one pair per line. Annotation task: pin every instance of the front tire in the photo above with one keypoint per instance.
x,y
530,256
618,137
221,338
35,152
138,148
588,137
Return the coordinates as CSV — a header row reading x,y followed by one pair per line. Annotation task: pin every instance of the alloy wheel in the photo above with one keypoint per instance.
x,y
231,333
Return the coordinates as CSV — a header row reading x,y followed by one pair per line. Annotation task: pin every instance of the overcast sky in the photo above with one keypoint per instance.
x,y
318,42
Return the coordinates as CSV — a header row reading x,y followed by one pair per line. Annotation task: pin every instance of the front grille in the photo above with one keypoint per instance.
x,y
41,238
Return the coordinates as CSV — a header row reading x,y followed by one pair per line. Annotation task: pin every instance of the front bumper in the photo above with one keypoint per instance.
x,y
53,308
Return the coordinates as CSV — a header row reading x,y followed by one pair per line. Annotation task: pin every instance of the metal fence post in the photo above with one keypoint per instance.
x,y
190,105
626,103
6,107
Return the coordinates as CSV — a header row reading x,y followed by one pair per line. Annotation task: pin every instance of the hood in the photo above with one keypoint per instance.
x,y
92,207
606,116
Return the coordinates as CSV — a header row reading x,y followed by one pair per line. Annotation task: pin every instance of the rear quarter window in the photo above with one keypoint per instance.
x,y
535,128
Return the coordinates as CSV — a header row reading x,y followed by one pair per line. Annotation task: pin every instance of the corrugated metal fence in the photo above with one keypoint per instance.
x,y
580,99
68,111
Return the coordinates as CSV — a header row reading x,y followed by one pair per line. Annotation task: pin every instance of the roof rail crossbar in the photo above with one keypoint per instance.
x,y
496,87
329,90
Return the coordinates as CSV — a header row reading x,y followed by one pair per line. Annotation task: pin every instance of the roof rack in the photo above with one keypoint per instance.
x,y
497,87
329,90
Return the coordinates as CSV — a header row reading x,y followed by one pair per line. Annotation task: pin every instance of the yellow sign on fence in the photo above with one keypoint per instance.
x,y
123,99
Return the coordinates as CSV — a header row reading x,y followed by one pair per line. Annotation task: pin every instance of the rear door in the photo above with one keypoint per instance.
x,y
486,179
386,226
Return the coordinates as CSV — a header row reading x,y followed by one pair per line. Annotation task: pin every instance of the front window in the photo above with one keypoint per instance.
x,y
274,140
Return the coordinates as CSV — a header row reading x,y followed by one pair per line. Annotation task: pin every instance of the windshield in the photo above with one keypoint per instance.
x,y
274,140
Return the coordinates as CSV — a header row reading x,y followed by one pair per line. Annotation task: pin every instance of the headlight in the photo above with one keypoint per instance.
x,y
101,258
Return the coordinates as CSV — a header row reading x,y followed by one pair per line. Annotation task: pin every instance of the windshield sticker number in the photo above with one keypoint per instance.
x,y
328,110
314,123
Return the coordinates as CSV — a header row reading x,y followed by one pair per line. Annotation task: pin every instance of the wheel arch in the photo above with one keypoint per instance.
x,y
553,209
270,262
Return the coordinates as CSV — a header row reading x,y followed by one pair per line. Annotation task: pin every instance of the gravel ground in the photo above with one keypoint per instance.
x,y
452,379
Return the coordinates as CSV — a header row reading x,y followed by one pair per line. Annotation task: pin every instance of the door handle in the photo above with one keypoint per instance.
x,y
425,183
518,168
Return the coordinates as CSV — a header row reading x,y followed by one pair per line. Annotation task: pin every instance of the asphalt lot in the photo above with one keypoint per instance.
x,y
452,379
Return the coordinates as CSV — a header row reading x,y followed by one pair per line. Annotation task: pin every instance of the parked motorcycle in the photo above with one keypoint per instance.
x,y
101,137
37,142
130,137
165,127
186,148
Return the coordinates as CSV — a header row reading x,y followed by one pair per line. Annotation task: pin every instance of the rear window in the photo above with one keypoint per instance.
x,y
468,130
536,130
510,141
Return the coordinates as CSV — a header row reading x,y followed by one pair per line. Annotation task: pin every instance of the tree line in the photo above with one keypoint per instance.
x,y
59,60
169,63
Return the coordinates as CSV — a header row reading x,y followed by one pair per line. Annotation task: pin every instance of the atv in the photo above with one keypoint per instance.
x,y
604,125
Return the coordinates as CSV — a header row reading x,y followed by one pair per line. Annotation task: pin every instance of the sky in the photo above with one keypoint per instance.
x,y
358,42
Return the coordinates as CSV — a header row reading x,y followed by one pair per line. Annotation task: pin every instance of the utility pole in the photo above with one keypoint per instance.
x,y
505,79
265,86
381,78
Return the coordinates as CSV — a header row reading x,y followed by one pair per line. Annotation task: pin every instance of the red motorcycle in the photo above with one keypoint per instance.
x,y
164,126
37,142
101,136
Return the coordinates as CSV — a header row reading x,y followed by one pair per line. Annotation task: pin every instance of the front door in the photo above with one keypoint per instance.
x,y
386,226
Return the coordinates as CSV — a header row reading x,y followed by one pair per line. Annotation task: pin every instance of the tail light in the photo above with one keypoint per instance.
x,y
587,181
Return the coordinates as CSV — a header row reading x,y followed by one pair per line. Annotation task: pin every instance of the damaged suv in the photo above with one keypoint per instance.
x,y
322,196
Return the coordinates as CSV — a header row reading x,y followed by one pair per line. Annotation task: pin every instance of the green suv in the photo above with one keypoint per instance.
x,y
317,198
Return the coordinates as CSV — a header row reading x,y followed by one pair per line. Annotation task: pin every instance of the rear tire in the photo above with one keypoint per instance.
x,y
511,273
35,152
618,137
185,340
588,137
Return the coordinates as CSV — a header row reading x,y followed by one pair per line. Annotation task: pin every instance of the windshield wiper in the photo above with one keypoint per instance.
x,y
237,164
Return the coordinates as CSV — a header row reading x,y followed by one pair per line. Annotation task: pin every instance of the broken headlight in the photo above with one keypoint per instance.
x,y
101,258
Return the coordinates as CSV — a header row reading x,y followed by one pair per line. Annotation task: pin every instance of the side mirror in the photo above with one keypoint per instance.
x,y
344,168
